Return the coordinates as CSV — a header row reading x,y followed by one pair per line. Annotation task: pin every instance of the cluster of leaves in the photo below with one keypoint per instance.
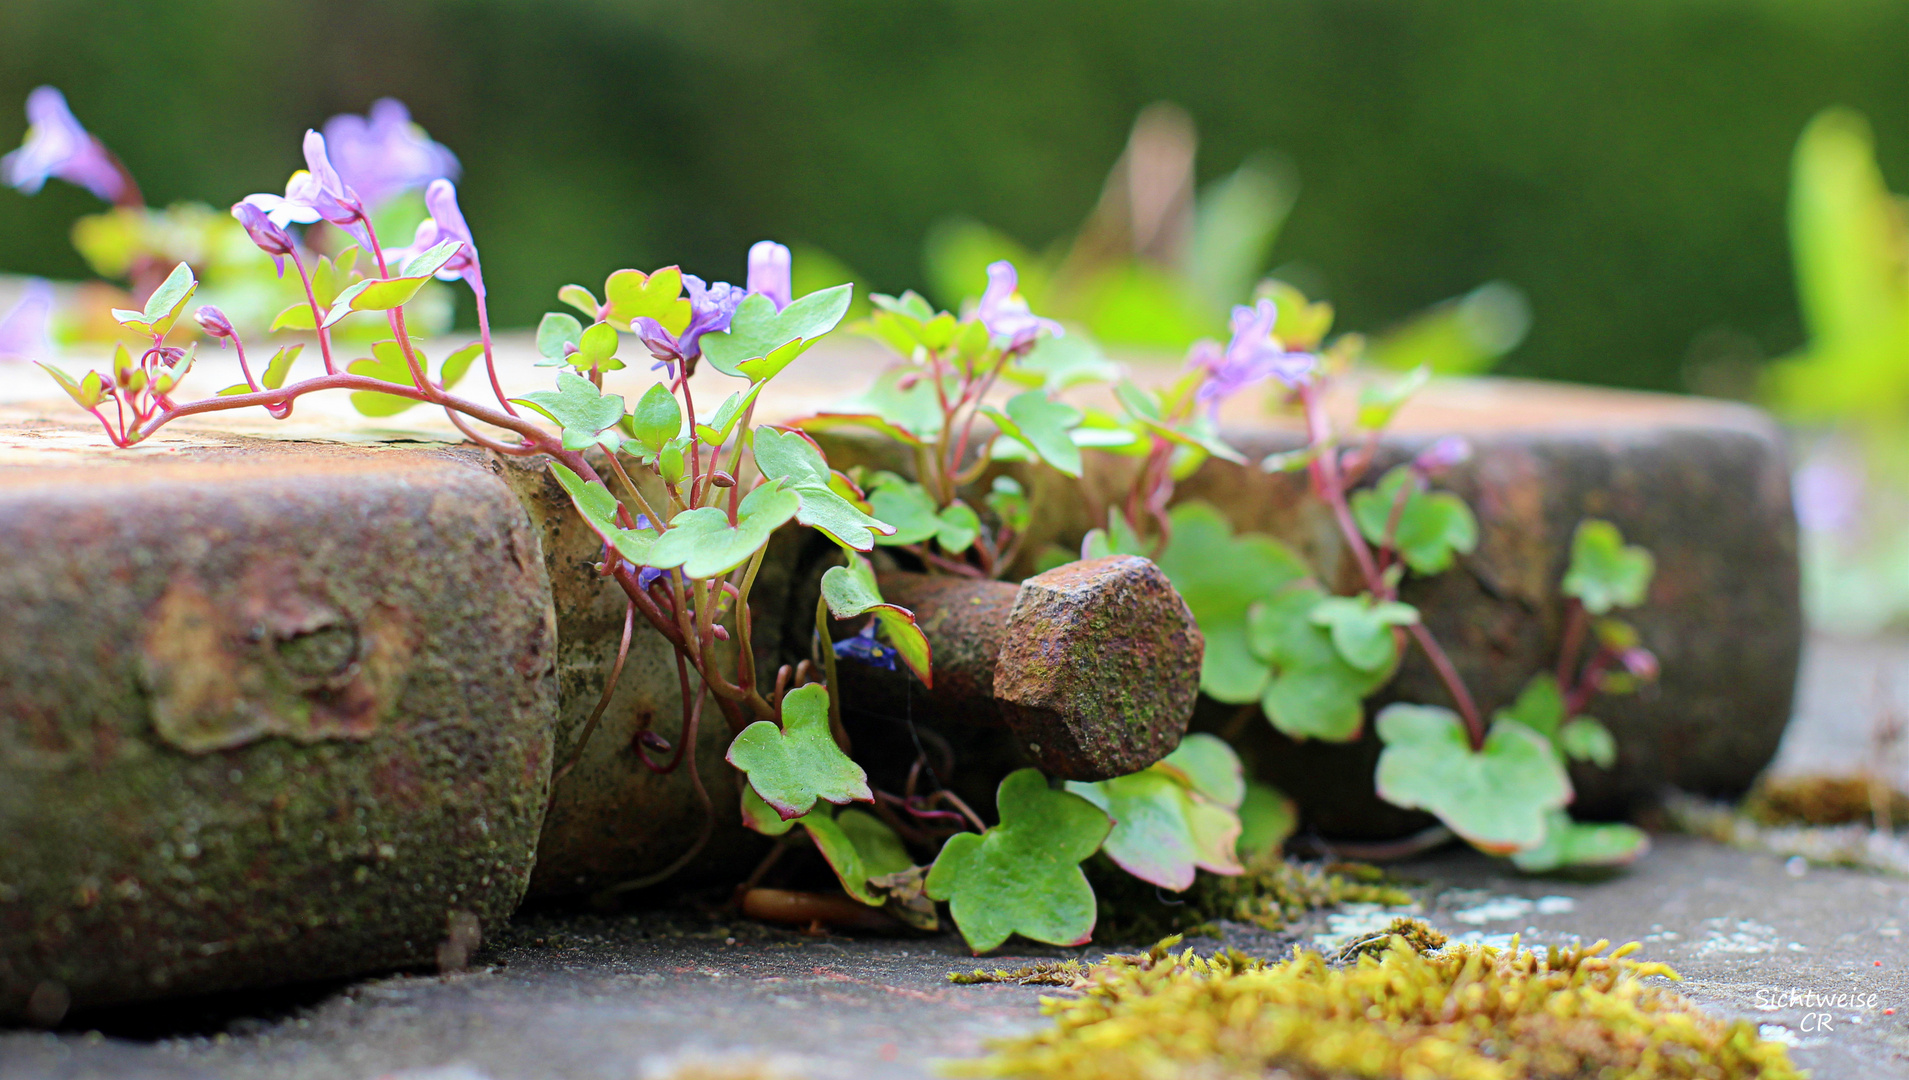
x,y
1462,1011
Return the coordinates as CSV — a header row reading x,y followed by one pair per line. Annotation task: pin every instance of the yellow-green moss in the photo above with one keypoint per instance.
x,y
1270,894
1420,935
1825,800
1467,1013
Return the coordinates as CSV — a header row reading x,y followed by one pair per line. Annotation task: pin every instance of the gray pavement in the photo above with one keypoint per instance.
x,y
568,995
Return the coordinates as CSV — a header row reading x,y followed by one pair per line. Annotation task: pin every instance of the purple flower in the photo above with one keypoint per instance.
x,y
710,309
864,648
213,322
1641,663
1828,494
769,272
23,333
313,193
56,145
445,223
1006,315
386,154
1443,454
271,239
1252,355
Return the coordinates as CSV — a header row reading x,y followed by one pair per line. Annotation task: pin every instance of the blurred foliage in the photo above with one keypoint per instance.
x,y
1622,162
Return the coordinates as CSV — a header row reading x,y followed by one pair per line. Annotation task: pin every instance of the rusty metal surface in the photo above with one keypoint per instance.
x,y
267,712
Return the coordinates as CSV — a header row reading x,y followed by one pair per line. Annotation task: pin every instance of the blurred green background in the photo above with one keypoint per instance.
x,y
1624,162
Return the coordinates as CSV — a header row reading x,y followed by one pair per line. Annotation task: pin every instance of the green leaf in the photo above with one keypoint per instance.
x,y
852,590
1208,767
386,363
1433,526
761,341
1380,402
1008,502
1316,693
580,298
705,545
1041,424
716,431
596,348
632,293
163,306
1585,739
1267,818
794,765
279,366
960,527
554,333
910,304
459,362
790,456
911,415
1362,630
599,508
584,412
759,816
1573,843
657,418
1498,798
296,317
1605,572
907,508
1023,876
1221,577
375,294
88,391
1058,363
858,846
1540,707
1175,816
428,263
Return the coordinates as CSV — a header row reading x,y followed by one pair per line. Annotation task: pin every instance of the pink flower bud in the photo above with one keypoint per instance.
x,y
213,322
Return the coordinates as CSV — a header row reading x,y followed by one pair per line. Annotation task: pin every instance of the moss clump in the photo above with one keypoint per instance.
x,y
1825,800
1270,894
1419,935
1051,973
1469,1013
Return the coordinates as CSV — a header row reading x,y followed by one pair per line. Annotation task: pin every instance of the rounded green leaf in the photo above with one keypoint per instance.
x,y
705,545
1574,843
794,765
657,418
1497,798
1587,740
1606,573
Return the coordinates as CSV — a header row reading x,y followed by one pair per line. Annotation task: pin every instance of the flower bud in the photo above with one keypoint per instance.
x,y
1640,662
213,322
769,264
1443,454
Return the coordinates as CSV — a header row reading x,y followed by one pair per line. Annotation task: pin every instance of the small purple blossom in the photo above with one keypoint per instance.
x,y
1828,494
865,649
1006,314
23,331
769,265
56,145
386,153
445,223
1641,663
710,309
270,238
313,193
1252,355
213,322
1447,452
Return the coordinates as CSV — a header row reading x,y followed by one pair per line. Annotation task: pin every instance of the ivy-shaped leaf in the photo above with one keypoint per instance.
x,y
584,412
456,364
1221,576
1585,739
558,335
1362,630
1057,363
1175,816
599,507
656,419
596,348
792,766
705,545
1316,692
163,306
1605,572
632,293
386,364
1575,843
1433,527
279,366
1023,876
1498,798
1540,707
789,456
1267,818
88,390
582,299
716,431
905,506
761,341
901,403
852,590
857,845
295,317
1041,424
1380,402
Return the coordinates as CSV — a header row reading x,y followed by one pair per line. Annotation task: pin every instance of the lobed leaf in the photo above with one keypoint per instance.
x,y
584,412
793,766
791,457
1574,843
761,341
705,545
1606,573
1498,798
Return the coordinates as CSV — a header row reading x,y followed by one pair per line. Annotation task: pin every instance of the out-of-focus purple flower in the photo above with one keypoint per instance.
x,y
23,333
271,239
710,309
865,649
1250,356
1640,662
313,193
385,153
769,265
56,145
445,223
1447,452
213,322
1828,494
1006,315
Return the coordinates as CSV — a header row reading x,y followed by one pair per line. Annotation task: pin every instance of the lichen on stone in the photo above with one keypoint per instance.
x,y
1463,1013
1272,893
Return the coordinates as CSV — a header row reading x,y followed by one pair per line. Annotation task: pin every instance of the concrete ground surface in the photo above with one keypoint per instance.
x,y
644,994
